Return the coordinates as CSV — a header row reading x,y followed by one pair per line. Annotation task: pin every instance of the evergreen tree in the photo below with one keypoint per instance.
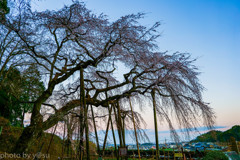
x,y
4,9
16,89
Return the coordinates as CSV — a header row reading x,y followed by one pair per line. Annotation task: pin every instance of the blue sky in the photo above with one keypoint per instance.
x,y
208,29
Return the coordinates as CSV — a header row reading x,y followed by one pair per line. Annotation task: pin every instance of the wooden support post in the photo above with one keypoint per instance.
x,y
119,124
135,130
155,123
95,129
114,138
85,109
49,145
106,134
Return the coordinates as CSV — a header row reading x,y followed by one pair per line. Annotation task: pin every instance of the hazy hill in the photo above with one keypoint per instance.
x,y
213,136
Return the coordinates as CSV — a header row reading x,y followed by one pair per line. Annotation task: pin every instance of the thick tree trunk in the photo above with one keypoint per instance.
x,y
36,126
26,139
30,133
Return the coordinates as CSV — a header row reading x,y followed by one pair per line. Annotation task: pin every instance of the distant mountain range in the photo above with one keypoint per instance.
x,y
214,135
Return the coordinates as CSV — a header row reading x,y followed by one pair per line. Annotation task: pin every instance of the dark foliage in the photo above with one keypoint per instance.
x,y
214,136
15,89
215,155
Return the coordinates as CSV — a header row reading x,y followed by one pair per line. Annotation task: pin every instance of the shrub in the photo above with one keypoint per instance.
x,y
215,155
4,122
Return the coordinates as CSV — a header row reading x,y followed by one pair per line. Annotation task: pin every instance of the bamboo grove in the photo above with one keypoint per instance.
x,y
78,54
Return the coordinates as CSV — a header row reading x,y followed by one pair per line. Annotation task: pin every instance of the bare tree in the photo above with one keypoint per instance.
x,y
71,39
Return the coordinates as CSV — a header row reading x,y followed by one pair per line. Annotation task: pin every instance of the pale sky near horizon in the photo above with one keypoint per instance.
x,y
208,29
